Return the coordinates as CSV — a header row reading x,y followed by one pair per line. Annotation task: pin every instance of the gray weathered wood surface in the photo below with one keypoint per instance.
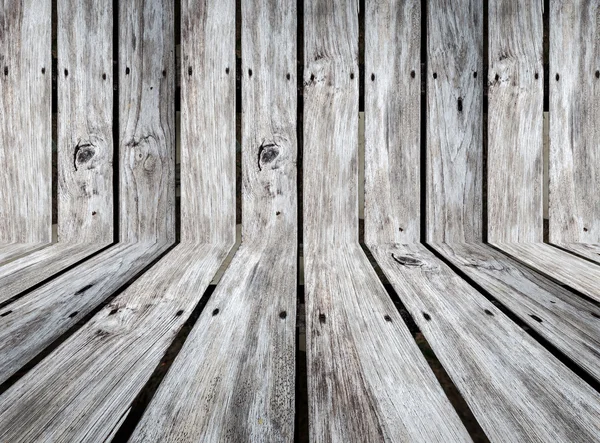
x,y
146,121
454,159
515,388
515,117
25,122
567,321
12,251
392,121
234,378
85,114
367,380
574,206
207,120
591,251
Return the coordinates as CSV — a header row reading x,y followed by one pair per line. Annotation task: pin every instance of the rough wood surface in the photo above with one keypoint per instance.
x,y
25,122
84,389
515,388
392,121
565,320
234,378
147,121
24,273
515,111
207,121
590,251
574,207
367,380
562,266
12,251
85,109
454,156
34,321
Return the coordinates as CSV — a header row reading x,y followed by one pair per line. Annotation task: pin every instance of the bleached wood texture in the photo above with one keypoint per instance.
x,y
25,122
515,388
234,378
207,121
574,206
515,117
591,251
392,121
367,380
567,321
11,251
147,121
85,108
454,158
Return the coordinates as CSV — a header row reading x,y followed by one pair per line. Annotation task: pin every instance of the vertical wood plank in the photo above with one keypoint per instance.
x,y
331,75
85,104
147,121
392,121
574,169
454,121
515,118
25,122
208,121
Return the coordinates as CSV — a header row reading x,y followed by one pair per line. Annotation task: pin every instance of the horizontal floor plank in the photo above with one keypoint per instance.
x,y
12,251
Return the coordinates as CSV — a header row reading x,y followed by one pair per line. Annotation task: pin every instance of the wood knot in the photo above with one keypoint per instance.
x,y
83,153
405,260
267,152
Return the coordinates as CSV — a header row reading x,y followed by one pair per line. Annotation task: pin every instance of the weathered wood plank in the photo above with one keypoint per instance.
x,y
25,272
590,251
85,108
25,122
11,251
366,376
565,320
147,121
515,117
515,388
40,317
82,391
454,156
568,269
216,390
392,121
574,206
207,120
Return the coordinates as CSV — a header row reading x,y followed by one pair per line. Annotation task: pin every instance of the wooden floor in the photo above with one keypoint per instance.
x,y
179,127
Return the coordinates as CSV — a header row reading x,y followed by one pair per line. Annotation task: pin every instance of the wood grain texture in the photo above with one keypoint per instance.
x,y
574,206
85,108
25,122
590,251
11,251
515,388
34,321
562,266
208,121
234,378
392,121
367,380
454,149
84,389
568,322
147,121
24,273
515,117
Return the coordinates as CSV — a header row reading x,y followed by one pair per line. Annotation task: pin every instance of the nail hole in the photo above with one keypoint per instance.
x,y
322,318
103,76
312,77
250,72
227,70
6,70
127,71
178,313
536,318
288,76
43,70
4,314
597,74
66,72
372,77
435,75
401,230
151,88
488,312
426,316
278,212
497,77
460,104
352,75
557,77
94,212
585,229
413,74
537,76
387,318
114,311
475,74
73,314
215,312
282,314
164,73
189,70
